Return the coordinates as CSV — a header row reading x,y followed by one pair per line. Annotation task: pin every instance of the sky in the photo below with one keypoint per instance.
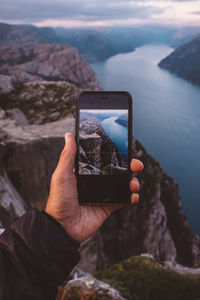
x,y
97,13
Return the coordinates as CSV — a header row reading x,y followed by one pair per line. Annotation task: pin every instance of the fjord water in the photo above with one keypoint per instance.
x,y
118,134
166,117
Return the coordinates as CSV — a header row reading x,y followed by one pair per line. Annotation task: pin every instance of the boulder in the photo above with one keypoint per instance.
x,y
84,281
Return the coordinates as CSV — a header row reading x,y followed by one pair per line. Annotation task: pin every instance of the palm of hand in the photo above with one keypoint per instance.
x,y
80,221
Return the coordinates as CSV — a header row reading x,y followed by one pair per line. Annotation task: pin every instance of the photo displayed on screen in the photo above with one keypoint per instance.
x,y
103,142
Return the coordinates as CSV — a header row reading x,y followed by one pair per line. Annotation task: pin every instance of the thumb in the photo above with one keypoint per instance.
x,y
66,162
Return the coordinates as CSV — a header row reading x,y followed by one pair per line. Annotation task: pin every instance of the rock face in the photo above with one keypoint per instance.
x,y
15,34
29,156
92,44
27,62
185,61
151,226
11,203
40,101
157,225
84,281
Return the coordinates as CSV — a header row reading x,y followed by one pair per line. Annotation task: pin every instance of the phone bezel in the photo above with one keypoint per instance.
x,y
130,105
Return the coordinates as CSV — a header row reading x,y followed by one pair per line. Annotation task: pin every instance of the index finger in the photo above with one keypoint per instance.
x,y
136,165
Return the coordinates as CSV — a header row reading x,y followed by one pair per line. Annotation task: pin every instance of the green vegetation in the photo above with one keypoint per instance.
x,y
141,278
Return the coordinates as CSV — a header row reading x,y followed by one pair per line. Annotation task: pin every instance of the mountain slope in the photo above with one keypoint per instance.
x,y
16,34
185,61
55,62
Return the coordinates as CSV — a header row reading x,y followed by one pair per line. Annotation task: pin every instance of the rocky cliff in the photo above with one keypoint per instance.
x,y
15,34
40,101
26,62
156,225
97,151
28,156
185,61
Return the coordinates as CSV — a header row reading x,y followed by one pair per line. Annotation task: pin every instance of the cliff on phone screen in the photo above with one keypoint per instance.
x,y
103,142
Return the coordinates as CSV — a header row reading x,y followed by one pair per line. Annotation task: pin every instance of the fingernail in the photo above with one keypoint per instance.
x,y
67,136
135,178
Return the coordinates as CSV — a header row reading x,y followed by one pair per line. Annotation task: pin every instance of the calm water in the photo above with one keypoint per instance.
x,y
118,134
166,117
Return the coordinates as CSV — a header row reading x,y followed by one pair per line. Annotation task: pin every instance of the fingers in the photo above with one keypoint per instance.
x,y
66,162
134,186
136,165
134,198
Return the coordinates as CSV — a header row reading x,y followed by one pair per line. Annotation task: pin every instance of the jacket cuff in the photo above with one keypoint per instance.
x,y
53,250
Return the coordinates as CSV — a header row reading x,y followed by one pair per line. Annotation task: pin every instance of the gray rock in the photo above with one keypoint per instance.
x,y
1,230
54,116
86,281
91,144
38,104
6,84
17,115
58,62
98,147
87,169
186,271
11,203
40,95
35,152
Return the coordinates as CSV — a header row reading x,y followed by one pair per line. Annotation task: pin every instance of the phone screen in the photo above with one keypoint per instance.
x,y
103,142
104,123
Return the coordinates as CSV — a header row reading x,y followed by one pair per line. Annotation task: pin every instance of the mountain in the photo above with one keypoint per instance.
x,y
185,61
98,45
123,120
57,62
183,36
16,34
92,44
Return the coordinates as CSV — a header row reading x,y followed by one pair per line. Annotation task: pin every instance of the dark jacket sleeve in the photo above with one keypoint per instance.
x,y
36,255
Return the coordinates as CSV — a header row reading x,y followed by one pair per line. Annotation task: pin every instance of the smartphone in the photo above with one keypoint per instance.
x,y
104,147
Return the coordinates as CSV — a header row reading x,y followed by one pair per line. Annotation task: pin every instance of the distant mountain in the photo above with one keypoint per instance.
x,y
16,34
183,36
98,45
140,35
123,120
92,44
47,33
185,61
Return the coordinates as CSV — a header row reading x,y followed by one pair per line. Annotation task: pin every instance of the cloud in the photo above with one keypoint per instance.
x,y
88,10
96,11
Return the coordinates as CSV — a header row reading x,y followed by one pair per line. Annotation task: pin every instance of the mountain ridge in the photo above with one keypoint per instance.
x,y
185,61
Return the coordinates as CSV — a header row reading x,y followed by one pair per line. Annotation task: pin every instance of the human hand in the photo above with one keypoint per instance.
x,y
80,221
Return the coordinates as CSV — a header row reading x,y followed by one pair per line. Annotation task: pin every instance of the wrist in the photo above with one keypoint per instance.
x,y
69,228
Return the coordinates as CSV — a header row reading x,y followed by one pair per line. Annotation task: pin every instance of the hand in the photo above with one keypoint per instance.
x,y
80,221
